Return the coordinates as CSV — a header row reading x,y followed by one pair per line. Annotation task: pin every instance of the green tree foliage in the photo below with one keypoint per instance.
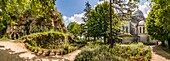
x,y
87,10
125,10
74,28
158,21
11,10
98,21
32,14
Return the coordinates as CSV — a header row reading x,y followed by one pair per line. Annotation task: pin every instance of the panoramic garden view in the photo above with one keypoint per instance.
x,y
84,30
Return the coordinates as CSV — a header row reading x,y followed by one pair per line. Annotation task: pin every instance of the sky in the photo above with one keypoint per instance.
x,y
72,10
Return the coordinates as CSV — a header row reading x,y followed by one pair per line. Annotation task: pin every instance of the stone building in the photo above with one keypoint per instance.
x,y
134,30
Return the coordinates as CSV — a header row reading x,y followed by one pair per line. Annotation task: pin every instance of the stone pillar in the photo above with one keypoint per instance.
x,y
138,29
129,27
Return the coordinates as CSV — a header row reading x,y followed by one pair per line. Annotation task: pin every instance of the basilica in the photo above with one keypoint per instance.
x,y
134,30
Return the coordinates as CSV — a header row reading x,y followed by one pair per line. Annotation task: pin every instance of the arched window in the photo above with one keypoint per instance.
x,y
143,29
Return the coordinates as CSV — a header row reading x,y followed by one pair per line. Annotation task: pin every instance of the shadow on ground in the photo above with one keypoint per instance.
x,y
5,55
158,50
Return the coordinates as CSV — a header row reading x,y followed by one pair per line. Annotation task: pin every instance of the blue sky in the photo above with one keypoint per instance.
x,y
71,7
72,10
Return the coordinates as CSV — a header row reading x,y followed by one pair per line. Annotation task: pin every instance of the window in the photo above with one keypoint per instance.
x,y
143,29
123,27
126,28
140,30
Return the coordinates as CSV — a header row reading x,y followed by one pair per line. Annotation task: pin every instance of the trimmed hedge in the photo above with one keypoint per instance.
x,y
96,52
49,40
51,43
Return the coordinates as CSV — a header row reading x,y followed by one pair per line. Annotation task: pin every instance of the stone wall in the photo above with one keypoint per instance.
x,y
129,38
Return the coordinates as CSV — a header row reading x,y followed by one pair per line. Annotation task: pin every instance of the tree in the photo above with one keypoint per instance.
x,y
31,15
87,10
158,21
124,10
98,21
9,14
85,18
74,28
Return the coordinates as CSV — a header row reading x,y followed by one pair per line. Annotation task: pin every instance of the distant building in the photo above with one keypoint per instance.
x,y
134,30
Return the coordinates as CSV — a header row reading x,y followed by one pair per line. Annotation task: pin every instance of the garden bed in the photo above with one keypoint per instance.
x,y
51,43
98,52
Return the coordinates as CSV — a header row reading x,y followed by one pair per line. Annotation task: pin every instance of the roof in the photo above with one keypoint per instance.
x,y
141,23
138,13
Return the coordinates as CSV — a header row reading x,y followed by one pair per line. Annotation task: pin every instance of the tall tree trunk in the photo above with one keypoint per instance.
x,y
105,39
94,38
163,43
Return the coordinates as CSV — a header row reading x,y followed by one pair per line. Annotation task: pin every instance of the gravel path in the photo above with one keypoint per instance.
x,y
159,55
19,48
72,56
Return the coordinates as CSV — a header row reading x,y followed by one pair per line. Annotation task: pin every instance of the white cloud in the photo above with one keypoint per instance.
x,y
75,18
145,8
64,17
99,2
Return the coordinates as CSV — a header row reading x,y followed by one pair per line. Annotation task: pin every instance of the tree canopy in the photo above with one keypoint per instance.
x,y
98,20
74,28
158,21
32,15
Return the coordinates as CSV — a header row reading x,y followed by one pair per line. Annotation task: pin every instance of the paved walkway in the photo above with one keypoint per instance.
x,y
72,56
159,55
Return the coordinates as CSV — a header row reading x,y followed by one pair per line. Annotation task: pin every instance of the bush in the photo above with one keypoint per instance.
x,y
49,40
42,52
96,52
38,49
48,53
55,52
71,38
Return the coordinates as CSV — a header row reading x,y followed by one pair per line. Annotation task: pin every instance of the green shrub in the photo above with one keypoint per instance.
x,y
49,40
38,49
33,49
71,38
42,51
61,52
48,53
96,52
55,52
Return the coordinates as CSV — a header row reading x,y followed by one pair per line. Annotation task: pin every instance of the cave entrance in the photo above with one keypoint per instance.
x,y
14,36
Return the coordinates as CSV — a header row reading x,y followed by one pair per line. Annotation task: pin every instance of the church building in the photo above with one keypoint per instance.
x,y
134,30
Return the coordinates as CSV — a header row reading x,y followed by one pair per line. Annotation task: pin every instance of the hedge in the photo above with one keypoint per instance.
x,y
49,40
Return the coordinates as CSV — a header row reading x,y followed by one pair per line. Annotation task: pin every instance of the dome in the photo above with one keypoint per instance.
x,y
141,23
138,13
